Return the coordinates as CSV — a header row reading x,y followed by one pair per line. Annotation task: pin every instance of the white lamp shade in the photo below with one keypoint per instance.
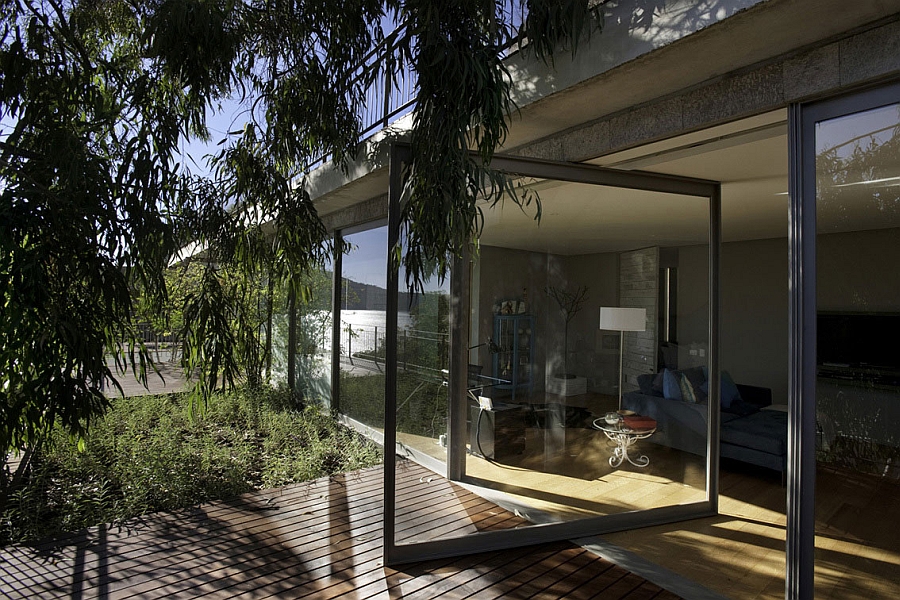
x,y
623,319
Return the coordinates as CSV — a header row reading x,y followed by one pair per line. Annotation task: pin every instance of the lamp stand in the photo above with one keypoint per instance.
x,y
621,364
622,319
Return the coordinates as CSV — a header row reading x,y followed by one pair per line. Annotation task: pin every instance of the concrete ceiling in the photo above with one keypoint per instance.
x,y
748,157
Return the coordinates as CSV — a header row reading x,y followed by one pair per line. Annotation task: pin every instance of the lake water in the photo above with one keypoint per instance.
x,y
369,327
365,319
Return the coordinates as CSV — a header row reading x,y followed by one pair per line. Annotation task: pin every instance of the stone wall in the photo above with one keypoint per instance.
x,y
639,288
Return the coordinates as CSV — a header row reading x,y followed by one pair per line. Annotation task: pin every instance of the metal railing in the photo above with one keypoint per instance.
x,y
417,350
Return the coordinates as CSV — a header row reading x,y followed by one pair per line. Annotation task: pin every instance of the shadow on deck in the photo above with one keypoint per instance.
x,y
321,539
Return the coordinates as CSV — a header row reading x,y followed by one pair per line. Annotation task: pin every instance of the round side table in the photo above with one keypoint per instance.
x,y
624,437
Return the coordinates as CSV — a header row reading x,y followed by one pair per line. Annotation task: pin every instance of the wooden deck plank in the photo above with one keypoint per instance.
x,y
562,565
518,576
573,584
321,539
225,545
457,582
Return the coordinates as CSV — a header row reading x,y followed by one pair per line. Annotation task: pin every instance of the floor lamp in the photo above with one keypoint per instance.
x,y
622,320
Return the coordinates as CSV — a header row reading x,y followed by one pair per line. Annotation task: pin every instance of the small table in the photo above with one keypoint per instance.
x,y
625,437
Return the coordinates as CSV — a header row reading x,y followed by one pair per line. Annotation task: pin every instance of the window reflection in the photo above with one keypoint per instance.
x,y
362,326
858,324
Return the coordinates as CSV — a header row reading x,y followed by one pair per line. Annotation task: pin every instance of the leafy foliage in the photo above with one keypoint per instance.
x,y
97,99
463,103
146,454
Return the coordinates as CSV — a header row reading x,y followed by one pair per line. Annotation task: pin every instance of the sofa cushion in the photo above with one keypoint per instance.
x,y
658,383
765,430
741,408
696,375
645,383
730,391
687,390
671,385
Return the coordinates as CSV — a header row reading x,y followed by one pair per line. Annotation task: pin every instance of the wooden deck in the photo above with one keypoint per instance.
x,y
320,539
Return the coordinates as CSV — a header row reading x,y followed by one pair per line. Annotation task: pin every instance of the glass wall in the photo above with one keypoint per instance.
x,y
541,426
312,336
557,435
423,362
362,325
858,354
422,411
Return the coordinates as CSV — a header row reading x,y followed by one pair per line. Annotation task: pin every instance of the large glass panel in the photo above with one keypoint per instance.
x,y
858,355
312,338
547,436
362,326
423,368
560,436
423,361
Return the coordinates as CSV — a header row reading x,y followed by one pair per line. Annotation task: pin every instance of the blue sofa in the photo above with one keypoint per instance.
x,y
747,434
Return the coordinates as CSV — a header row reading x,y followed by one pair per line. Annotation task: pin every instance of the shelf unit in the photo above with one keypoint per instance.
x,y
515,361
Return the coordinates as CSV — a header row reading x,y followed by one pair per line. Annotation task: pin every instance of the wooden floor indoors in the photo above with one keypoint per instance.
x,y
315,540
740,553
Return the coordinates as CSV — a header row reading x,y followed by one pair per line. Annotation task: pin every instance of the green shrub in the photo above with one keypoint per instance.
x,y
149,454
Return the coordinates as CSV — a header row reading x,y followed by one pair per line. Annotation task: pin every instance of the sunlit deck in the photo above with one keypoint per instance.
x,y
321,539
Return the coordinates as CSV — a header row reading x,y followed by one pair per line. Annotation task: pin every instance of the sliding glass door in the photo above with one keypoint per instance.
x,y
851,397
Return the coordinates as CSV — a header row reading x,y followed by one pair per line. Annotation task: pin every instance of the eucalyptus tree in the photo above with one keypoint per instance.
x,y
97,98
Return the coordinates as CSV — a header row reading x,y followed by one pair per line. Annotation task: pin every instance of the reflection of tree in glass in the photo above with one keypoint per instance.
x,y
427,343
863,171
313,326
570,303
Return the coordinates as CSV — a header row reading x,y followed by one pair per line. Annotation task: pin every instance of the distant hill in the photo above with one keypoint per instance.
x,y
363,296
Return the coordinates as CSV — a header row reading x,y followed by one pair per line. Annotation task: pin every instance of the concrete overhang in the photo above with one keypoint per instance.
x,y
636,59
681,49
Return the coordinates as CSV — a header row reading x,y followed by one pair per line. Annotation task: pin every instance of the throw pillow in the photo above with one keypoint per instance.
x,y
696,375
730,391
658,383
687,390
671,385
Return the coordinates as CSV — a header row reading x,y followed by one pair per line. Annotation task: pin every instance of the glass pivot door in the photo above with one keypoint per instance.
x,y
549,476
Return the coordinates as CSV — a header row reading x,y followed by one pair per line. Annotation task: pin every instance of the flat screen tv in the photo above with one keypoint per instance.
x,y
863,340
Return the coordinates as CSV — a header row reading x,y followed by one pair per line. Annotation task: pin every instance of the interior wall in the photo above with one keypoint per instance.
x,y
754,291
754,319
588,357
692,310
506,274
